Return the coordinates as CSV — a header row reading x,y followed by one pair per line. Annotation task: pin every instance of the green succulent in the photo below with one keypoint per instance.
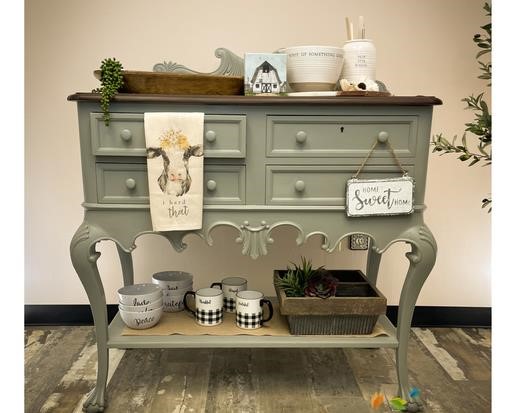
x,y
295,280
111,80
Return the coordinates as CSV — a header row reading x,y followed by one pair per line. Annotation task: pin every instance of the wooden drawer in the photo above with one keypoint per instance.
x,y
317,185
340,136
224,184
122,183
128,184
224,135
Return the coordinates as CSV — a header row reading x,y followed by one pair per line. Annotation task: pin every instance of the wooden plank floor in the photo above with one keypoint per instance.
x,y
452,367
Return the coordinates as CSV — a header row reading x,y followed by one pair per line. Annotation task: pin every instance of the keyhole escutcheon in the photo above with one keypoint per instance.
x,y
342,129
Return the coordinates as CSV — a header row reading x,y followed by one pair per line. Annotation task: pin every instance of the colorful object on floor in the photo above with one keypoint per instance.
x,y
398,404
412,407
414,393
377,400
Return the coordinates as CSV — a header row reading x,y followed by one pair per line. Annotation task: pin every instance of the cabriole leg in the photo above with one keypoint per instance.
x,y
373,263
84,260
422,260
126,260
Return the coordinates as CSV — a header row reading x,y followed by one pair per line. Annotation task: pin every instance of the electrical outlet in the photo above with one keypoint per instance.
x,y
358,242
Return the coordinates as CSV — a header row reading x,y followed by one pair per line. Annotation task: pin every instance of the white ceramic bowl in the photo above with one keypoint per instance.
x,y
142,308
139,294
173,280
313,68
141,321
173,303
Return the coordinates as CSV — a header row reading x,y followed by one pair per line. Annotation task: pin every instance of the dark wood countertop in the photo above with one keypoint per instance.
x,y
266,100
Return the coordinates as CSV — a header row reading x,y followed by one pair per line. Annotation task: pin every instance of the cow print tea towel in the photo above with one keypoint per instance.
x,y
175,169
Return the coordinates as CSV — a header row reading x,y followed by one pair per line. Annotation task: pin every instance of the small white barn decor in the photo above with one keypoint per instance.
x,y
265,73
366,197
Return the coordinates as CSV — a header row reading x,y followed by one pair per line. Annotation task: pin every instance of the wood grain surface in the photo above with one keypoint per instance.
x,y
181,84
451,366
265,100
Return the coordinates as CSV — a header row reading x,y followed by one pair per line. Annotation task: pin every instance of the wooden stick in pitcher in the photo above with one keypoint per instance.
x,y
349,28
361,27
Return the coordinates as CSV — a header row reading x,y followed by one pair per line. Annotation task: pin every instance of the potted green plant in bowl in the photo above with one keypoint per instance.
x,y
328,302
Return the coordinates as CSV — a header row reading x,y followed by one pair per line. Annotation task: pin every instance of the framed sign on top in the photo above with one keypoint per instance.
x,y
369,197
265,74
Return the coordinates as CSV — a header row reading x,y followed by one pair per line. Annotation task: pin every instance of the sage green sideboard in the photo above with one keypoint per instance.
x,y
269,162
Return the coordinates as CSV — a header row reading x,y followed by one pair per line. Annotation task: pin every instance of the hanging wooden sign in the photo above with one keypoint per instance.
x,y
392,196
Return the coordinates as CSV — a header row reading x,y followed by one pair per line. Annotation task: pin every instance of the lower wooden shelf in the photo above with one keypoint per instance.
x,y
117,340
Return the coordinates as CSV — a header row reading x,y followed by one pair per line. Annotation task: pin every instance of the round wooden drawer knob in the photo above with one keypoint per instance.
x,y
130,183
211,136
300,186
211,185
301,137
126,135
383,137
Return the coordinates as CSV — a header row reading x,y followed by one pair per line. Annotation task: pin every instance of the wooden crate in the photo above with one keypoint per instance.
x,y
355,309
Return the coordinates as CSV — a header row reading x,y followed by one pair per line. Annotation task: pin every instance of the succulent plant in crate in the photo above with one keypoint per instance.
x,y
300,288
296,280
322,285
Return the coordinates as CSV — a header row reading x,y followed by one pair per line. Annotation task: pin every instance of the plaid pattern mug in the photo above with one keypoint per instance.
x,y
230,286
209,306
249,312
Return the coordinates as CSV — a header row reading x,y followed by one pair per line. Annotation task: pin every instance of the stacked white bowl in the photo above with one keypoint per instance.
x,y
140,305
174,285
313,68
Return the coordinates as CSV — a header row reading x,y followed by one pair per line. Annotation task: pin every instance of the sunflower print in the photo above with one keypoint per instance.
x,y
173,139
182,142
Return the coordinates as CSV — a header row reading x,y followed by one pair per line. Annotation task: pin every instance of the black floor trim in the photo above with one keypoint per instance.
x,y
424,316
430,316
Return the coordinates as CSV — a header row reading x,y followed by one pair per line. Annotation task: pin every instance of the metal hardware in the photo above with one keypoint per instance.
x,y
358,242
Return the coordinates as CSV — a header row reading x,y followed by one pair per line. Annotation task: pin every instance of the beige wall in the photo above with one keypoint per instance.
x,y
424,47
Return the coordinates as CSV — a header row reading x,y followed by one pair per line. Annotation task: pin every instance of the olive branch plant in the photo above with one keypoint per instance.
x,y
481,124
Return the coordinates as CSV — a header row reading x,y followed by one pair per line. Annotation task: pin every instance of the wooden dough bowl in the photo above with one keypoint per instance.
x,y
179,84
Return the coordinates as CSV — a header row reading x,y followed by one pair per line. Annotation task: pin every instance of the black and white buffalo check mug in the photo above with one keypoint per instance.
x,y
209,306
230,286
249,312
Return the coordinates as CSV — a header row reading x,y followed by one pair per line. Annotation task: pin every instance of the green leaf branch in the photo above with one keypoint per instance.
x,y
480,126
111,80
